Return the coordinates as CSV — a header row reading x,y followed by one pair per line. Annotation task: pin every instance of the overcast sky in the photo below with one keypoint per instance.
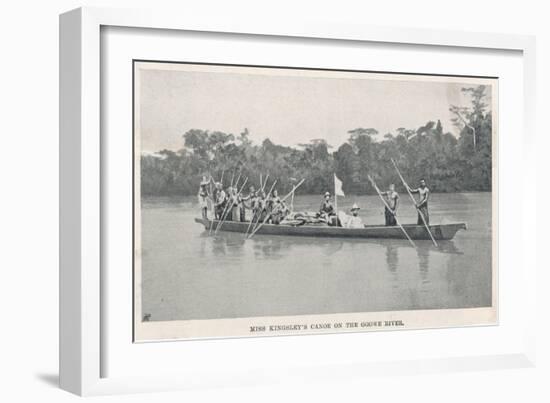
x,y
289,107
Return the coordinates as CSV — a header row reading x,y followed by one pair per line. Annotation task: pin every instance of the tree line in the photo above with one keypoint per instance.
x,y
447,163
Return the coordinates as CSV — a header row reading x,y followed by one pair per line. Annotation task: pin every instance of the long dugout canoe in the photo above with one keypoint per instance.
x,y
417,232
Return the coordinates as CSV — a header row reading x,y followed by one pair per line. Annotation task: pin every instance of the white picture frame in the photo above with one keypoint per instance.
x,y
81,174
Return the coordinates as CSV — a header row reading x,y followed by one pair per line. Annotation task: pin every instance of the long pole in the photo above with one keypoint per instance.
x,y
282,200
238,178
232,177
468,126
335,197
268,193
388,207
225,209
292,180
253,217
414,202
211,198
256,219
214,205
223,215
265,183
251,222
223,218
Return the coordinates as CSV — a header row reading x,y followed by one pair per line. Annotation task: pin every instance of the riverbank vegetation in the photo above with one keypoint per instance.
x,y
448,163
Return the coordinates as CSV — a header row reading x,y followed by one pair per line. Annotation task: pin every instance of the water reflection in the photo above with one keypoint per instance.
x,y
448,247
403,262
392,260
269,246
423,255
219,246
412,272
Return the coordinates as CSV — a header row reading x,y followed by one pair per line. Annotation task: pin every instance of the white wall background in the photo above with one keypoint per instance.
x,y
29,201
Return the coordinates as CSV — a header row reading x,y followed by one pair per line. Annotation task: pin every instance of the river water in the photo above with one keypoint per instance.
x,y
187,274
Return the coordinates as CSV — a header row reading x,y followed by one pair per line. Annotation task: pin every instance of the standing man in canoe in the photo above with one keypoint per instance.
x,y
234,210
261,206
203,196
229,204
251,199
270,202
422,205
221,199
278,208
255,205
392,197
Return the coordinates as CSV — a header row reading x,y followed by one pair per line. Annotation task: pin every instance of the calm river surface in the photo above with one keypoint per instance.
x,y
187,274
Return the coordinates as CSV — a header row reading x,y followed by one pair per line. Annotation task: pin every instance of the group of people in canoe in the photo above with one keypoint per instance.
x,y
391,197
230,204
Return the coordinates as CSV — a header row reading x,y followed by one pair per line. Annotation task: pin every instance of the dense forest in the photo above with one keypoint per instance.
x,y
448,163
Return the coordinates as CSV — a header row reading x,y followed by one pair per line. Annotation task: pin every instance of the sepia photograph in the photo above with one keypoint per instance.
x,y
278,201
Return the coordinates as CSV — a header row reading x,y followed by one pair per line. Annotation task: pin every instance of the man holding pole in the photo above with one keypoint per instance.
x,y
392,197
422,205
373,183
251,198
221,199
203,197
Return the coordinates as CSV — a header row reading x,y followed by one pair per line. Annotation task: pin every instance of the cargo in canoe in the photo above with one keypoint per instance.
x,y
416,232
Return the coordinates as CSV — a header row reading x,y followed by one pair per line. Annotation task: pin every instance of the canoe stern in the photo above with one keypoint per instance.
x,y
448,231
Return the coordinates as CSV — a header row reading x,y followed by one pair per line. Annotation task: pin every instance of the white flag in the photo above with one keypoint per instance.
x,y
338,187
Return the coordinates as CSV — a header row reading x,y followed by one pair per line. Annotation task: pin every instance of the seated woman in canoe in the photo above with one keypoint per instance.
x,y
327,212
327,209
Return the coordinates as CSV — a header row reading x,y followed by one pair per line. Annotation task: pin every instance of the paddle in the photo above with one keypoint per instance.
x,y
278,207
414,202
211,198
223,218
258,219
388,207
